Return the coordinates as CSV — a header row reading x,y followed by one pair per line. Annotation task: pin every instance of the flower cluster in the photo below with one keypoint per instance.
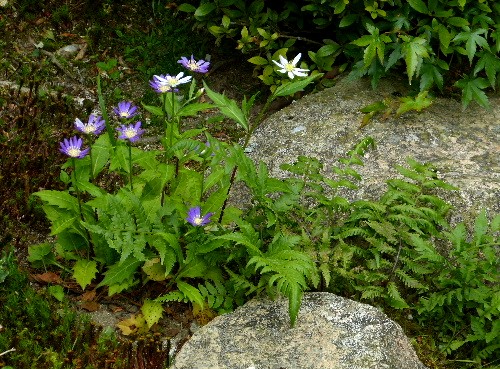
x,y
95,125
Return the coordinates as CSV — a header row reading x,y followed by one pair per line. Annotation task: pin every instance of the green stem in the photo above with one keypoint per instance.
x,y
249,134
130,163
102,106
73,163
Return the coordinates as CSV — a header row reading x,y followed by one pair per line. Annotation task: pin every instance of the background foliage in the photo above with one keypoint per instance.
x,y
443,46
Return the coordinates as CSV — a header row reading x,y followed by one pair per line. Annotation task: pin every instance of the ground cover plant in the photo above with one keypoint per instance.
x,y
192,245
167,219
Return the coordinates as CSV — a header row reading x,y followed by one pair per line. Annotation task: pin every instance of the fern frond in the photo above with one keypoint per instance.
x,y
408,280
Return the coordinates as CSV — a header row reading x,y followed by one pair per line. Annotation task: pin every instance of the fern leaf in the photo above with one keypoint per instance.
x,y
394,299
408,280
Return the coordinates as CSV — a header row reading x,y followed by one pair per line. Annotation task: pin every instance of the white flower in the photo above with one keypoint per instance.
x,y
290,67
172,81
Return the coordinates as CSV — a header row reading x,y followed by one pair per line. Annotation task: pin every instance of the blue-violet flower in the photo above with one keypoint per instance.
x,y
200,66
73,147
196,219
126,110
95,125
132,132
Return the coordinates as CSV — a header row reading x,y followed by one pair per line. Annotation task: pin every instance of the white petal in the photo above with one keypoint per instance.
x,y
299,73
296,59
290,75
283,60
283,70
278,64
184,80
179,76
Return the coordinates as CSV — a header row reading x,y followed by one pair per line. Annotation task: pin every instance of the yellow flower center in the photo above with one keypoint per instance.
x,y
89,128
198,220
124,114
192,65
289,67
73,152
130,133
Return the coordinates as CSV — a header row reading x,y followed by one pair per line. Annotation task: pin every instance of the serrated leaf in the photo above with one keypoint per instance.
x,y
421,101
414,50
472,89
84,271
472,40
120,272
60,199
154,269
491,65
191,293
152,311
228,107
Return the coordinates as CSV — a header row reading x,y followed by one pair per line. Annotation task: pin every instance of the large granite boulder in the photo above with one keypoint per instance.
x,y
331,333
464,145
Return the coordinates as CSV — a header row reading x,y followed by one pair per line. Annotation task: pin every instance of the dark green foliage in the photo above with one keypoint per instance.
x,y
437,43
44,332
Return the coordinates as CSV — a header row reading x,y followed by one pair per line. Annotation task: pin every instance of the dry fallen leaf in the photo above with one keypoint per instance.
x,y
48,277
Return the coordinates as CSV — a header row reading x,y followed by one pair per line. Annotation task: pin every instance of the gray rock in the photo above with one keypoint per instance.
x,y
331,332
463,145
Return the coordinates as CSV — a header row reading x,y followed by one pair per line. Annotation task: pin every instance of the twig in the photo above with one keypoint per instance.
x,y
6,352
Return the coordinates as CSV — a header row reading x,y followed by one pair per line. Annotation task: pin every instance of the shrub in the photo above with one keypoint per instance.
x,y
440,44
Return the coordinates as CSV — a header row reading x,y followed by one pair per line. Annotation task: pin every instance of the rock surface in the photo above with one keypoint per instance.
x,y
331,332
463,145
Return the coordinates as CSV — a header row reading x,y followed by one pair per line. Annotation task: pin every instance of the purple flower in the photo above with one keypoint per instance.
x,y
131,132
73,147
200,66
95,125
160,84
194,217
126,110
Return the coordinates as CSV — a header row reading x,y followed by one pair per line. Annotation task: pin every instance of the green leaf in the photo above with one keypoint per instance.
x,y
156,110
204,9
57,292
472,89
457,21
431,75
491,65
62,223
414,50
193,109
228,107
289,88
294,302
419,6
421,101
60,199
472,40
120,272
185,7
191,293
84,271
258,60
152,311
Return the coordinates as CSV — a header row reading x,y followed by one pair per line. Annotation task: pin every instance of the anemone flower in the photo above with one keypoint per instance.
x,y
290,67
196,219
94,126
173,81
126,110
132,132
200,66
160,84
73,147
